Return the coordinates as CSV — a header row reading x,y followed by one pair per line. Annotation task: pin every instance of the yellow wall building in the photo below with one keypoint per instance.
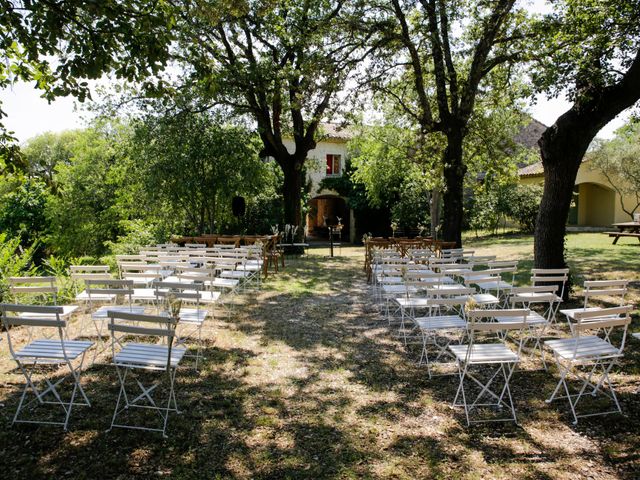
x,y
596,203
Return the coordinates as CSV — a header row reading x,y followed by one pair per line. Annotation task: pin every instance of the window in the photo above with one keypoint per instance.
x,y
333,164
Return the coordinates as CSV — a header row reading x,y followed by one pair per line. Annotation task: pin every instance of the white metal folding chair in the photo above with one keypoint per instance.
x,y
590,358
120,293
529,297
190,319
80,273
558,277
481,364
55,350
161,357
610,291
444,325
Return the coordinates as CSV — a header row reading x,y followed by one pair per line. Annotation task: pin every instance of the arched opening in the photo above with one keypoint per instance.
x,y
594,205
326,211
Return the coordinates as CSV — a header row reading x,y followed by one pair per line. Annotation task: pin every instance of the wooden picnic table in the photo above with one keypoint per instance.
x,y
625,229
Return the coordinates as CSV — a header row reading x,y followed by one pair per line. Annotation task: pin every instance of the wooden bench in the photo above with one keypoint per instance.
x,y
617,235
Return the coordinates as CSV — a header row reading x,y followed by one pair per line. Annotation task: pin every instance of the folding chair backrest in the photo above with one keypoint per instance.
x,y
543,293
43,317
548,276
609,289
482,320
150,328
480,276
183,291
29,286
110,286
482,261
457,291
506,268
129,258
603,318
89,272
136,324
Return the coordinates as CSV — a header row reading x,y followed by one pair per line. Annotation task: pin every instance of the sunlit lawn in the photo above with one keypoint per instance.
x,y
591,256
305,380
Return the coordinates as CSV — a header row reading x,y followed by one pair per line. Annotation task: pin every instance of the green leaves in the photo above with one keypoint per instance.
x,y
585,45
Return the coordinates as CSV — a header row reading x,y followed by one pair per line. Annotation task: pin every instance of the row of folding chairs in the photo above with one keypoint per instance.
x,y
144,347
443,309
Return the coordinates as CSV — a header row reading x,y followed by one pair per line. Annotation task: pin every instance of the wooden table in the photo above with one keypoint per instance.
x,y
625,229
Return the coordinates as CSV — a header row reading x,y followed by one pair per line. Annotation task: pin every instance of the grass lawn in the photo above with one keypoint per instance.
x,y
305,380
591,256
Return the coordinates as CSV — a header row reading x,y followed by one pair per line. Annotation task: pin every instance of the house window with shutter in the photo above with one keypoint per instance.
x,y
333,165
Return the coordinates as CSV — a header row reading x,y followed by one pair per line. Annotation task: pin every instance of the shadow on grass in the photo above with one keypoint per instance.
x,y
353,406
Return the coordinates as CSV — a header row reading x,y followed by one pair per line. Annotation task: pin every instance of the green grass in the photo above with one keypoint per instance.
x,y
591,256
306,381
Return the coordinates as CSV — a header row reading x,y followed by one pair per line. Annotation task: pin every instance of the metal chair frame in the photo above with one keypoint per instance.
x,y
45,352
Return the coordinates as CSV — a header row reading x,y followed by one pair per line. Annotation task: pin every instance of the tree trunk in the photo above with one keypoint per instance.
x,y
434,207
292,192
454,172
562,147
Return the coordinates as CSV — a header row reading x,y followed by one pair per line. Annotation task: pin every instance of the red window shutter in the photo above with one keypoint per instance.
x,y
329,164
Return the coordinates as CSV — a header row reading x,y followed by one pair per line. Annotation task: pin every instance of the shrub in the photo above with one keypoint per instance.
x,y
524,205
15,261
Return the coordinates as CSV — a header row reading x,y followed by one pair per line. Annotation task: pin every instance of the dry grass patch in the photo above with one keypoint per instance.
x,y
305,380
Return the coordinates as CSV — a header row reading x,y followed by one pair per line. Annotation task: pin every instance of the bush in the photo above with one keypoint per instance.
x,y
138,234
493,206
15,261
524,205
23,212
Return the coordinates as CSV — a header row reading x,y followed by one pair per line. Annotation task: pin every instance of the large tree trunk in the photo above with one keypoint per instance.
x,y
562,147
292,192
434,211
454,172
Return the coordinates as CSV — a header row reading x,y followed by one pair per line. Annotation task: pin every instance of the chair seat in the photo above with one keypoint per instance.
x,y
386,280
193,315
584,347
52,351
444,288
222,283
143,355
144,294
571,313
206,296
493,285
482,298
102,312
175,279
414,302
534,318
237,274
441,322
397,289
484,353
249,267
67,310
141,280
535,296
96,297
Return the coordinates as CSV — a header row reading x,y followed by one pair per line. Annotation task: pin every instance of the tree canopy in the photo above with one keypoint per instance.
x,y
60,45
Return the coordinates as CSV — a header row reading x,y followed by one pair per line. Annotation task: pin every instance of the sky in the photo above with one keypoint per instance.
x,y
29,115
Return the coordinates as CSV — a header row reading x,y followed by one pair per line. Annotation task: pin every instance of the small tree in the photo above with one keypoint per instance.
x,y
593,54
619,161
